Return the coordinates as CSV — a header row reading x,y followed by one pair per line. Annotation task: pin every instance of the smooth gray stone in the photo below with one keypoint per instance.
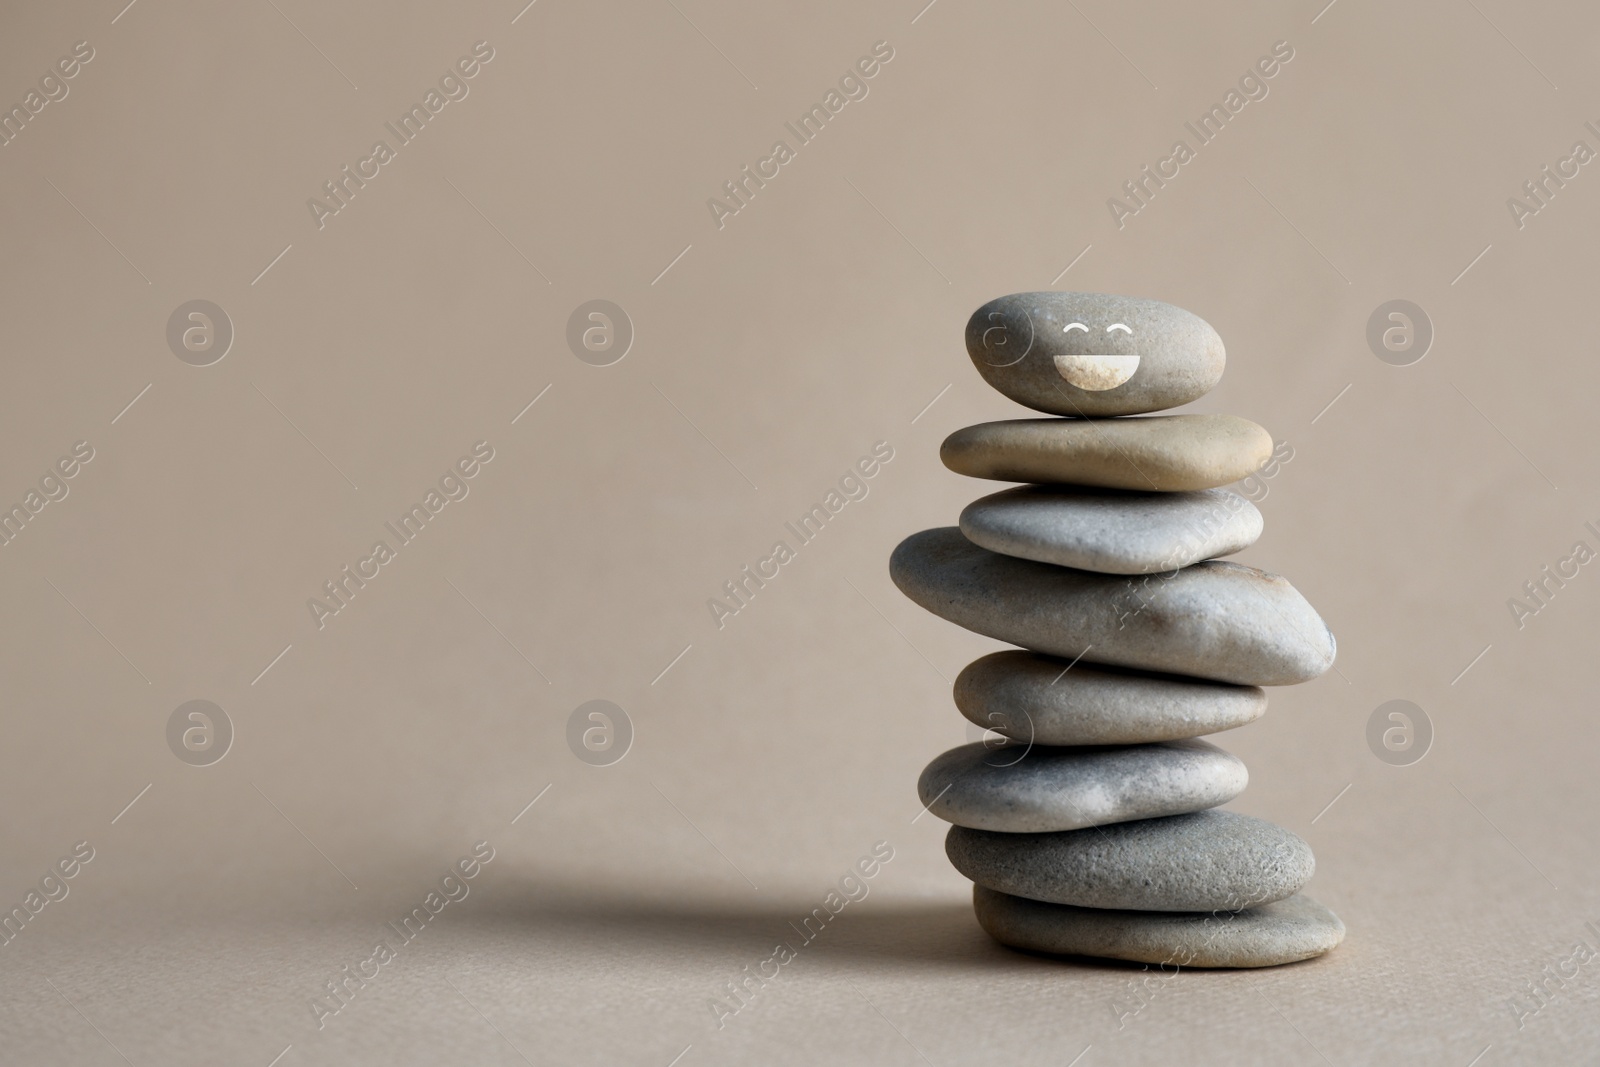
x,y
1213,620
1022,788
1030,697
1297,928
1112,532
1094,353
1205,861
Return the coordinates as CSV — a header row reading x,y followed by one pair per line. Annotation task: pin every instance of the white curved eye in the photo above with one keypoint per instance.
x,y
1119,326
1069,327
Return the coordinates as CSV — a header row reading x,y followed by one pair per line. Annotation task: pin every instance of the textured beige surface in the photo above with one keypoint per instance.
x,y
806,329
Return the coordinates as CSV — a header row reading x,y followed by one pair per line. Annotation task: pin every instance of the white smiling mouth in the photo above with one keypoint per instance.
x,y
1095,374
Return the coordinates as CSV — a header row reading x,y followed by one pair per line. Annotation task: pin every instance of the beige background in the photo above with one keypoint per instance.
x,y
822,318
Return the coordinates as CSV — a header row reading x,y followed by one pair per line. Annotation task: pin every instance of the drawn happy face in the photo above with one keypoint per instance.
x,y
1092,354
1099,369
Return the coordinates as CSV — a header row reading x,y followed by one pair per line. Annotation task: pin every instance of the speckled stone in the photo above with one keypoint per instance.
x,y
1205,861
1023,788
1296,928
1093,353
1161,453
1112,531
1214,620
1031,697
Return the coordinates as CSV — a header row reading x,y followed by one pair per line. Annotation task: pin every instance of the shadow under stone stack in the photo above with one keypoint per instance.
x,y
1093,829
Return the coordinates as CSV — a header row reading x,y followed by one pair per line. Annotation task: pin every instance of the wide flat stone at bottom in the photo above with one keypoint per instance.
x,y
1296,928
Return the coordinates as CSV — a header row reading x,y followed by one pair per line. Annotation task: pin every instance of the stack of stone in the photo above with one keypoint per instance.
x,y
1088,819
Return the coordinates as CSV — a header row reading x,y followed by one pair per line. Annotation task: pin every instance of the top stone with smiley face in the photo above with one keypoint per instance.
x,y
1094,354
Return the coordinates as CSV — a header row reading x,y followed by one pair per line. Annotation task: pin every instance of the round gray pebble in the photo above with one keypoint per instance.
x,y
1296,928
1031,697
1205,861
1022,788
1094,353
1109,531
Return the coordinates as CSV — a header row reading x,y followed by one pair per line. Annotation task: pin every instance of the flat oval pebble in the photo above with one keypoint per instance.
x,y
1297,928
1112,531
1161,454
1204,861
1031,697
1213,620
1094,353
1022,788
